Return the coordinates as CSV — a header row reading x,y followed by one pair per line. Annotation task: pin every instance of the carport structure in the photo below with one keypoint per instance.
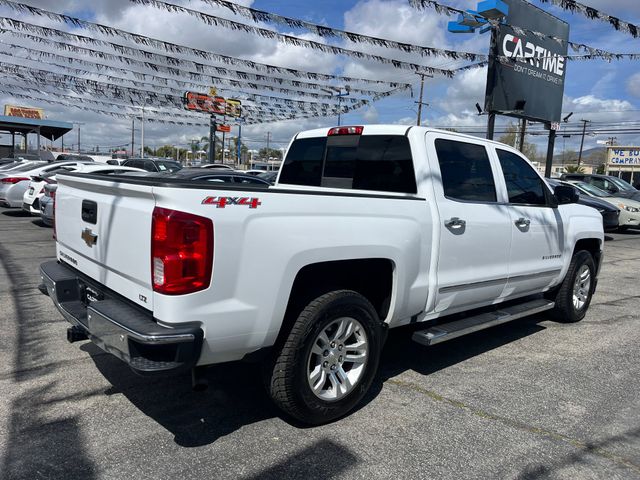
x,y
49,129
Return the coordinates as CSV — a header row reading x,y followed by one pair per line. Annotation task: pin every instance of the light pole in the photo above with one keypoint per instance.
x,y
347,91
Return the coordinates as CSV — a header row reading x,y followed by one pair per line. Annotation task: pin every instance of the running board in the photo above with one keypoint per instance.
x,y
448,331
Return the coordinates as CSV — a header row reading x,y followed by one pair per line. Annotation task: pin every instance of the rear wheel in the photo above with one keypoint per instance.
x,y
574,295
329,359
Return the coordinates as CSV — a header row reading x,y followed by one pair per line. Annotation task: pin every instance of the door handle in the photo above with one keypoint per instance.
x,y
455,222
523,222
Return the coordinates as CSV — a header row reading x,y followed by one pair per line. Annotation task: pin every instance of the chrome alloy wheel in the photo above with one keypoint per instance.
x,y
337,359
581,287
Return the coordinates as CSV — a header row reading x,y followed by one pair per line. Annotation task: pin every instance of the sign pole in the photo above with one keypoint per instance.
x,y
239,143
223,135
550,148
491,125
212,139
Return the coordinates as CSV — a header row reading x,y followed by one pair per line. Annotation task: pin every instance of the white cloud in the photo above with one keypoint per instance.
x,y
633,85
371,115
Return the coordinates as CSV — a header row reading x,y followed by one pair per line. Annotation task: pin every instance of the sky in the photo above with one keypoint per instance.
x,y
595,90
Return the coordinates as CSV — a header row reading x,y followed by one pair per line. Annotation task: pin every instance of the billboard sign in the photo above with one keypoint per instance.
x,y
233,108
526,77
619,156
201,102
223,128
24,112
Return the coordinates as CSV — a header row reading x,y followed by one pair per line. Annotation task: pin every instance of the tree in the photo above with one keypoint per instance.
x,y
166,151
573,169
149,151
510,138
271,153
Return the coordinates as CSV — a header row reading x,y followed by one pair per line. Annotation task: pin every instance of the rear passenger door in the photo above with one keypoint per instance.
x,y
535,259
474,227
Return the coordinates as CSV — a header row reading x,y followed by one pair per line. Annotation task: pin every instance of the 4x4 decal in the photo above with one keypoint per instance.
x,y
222,202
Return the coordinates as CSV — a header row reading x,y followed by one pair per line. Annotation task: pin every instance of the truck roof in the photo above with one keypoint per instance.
x,y
386,129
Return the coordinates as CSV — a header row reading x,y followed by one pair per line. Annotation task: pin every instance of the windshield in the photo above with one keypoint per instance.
x,y
590,189
166,166
621,184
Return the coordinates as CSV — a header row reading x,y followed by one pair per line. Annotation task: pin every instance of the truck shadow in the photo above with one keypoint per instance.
x,y
236,396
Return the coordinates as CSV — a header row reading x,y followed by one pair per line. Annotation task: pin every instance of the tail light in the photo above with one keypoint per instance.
x,y
14,180
181,252
346,131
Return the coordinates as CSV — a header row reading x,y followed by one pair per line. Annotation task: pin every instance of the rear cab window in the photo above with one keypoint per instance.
x,y
355,162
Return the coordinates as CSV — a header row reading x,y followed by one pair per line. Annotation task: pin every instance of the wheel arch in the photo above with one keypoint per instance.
x,y
370,277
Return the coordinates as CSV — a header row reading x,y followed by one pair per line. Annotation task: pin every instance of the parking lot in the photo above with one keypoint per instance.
x,y
532,399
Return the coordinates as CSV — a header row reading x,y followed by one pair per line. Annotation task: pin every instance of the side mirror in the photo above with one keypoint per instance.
x,y
566,194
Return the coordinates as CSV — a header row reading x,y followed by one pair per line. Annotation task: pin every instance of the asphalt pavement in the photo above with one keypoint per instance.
x,y
533,399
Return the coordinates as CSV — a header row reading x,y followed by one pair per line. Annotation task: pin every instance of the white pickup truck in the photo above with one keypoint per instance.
x,y
367,228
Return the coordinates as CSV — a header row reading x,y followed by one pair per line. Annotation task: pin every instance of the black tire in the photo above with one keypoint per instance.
x,y
565,310
288,384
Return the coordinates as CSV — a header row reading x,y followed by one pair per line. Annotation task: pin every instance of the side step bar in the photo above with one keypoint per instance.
x,y
448,331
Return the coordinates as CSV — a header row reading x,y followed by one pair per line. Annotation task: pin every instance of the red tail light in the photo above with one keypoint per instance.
x,y
13,180
346,131
181,252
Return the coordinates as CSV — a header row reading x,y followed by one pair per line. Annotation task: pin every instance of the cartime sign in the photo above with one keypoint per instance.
x,y
527,71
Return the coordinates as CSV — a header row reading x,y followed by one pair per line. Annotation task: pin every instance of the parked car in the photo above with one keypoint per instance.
x,y
629,208
216,166
15,182
614,185
269,176
610,213
75,157
367,228
153,164
217,176
19,164
46,200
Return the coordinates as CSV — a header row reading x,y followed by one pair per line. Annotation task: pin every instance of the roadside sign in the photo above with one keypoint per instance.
x,y
223,128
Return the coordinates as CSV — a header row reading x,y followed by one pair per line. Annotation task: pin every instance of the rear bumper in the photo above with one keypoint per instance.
x,y
128,332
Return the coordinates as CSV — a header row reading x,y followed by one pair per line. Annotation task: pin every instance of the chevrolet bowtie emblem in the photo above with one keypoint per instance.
x,y
89,237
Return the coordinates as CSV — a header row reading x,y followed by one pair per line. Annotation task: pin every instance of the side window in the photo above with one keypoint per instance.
x,y
524,186
466,171
149,166
303,165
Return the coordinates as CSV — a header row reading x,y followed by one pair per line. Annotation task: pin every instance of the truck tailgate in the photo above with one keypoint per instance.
x,y
103,229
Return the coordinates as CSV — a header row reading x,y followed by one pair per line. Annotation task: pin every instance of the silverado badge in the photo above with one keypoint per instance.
x,y
89,237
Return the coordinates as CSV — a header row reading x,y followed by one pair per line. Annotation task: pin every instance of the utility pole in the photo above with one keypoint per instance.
x,y
78,124
269,138
420,102
133,129
142,133
584,130
523,129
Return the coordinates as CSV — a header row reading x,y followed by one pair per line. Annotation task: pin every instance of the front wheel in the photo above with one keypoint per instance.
x,y
575,292
329,359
